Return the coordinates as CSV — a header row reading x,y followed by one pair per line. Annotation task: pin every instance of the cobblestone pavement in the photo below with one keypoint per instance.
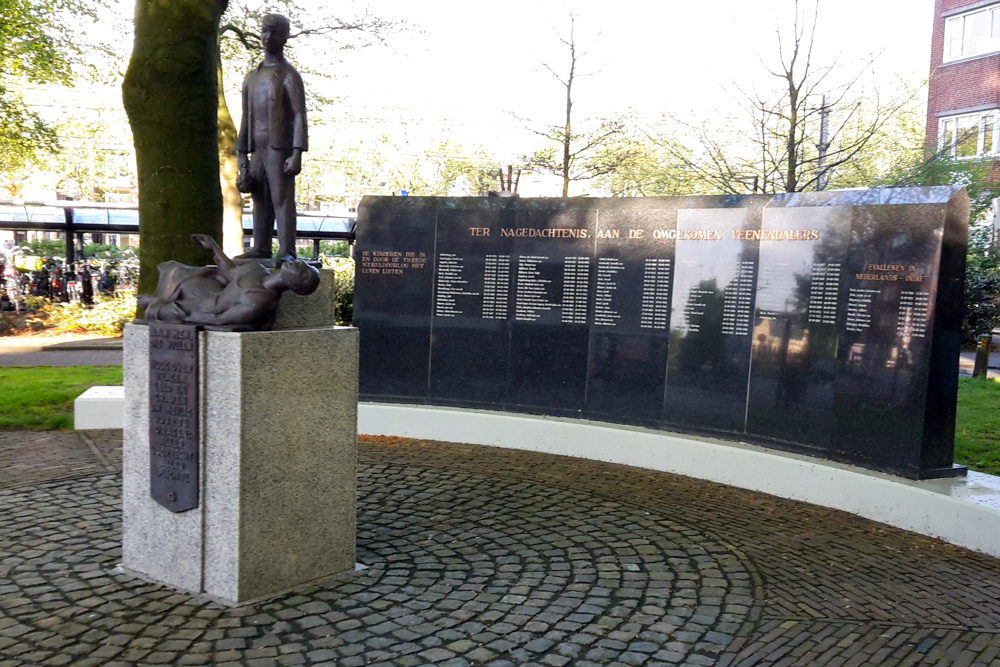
x,y
484,556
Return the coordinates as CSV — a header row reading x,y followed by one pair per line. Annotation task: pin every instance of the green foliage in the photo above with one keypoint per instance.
x,y
398,161
38,40
107,316
24,139
57,248
982,265
640,168
460,172
343,278
40,398
102,250
976,175
895,150
602,150
977,427
38,44
770,142
982,285
45,247
326,249
27,320
36,303
95,157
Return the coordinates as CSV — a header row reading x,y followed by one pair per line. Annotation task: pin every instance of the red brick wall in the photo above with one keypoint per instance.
x,y
945,5
958,85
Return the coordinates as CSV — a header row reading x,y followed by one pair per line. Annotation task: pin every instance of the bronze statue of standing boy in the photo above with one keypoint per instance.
x,y
271,142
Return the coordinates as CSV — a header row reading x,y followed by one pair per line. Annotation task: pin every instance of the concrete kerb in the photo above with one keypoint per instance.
x,y
961,511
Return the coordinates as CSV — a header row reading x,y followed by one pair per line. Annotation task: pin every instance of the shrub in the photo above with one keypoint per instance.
x,y
57,248
336,248
101,250
46,247
36,302
982,285
343,280
107,316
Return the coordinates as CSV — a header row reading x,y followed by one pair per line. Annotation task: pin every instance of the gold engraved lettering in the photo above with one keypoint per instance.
x,y
776,234
885,277
699,235
899,268
528,232
391,262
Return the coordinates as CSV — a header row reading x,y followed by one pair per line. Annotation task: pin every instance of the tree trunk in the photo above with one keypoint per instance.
x,y
232,202
982,366
568,130
792,145
170,95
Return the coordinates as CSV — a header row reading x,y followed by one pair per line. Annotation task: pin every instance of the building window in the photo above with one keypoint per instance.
x,y
969,135
972,34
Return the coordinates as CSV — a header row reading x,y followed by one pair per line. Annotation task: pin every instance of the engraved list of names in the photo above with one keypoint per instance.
x,y
173,415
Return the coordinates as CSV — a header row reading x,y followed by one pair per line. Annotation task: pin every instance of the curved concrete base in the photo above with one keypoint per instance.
x,y
962,511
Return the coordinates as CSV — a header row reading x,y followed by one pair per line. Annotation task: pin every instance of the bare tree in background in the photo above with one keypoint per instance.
x,y
780,144
572,155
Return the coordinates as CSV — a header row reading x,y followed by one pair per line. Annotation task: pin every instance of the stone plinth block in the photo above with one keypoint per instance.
x,y
278,457
313,310
99,407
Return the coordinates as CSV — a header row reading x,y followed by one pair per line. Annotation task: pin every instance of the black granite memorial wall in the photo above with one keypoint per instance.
x,y
826,323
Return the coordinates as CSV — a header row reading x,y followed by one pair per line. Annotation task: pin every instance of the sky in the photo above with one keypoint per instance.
x,y
476,72
487,60
638,54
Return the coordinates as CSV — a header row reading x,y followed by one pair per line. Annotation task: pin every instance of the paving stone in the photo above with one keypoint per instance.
x,y
487,556
436,655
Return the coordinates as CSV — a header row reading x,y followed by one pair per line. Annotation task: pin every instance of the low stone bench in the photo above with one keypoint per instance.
x,y
99,407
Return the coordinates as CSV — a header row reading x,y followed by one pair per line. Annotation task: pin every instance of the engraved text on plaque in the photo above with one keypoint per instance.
x,y
173,415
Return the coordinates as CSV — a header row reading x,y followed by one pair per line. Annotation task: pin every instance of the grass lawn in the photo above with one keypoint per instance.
x,y
40,398
977,426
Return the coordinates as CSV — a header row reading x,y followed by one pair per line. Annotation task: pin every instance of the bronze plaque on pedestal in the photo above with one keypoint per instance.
x,y
173,415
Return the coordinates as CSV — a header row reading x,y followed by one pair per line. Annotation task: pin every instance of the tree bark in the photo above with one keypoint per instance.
x,y
171,98
792,142
232,202
568,130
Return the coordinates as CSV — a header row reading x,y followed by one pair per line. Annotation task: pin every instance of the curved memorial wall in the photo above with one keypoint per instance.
x,y
825,323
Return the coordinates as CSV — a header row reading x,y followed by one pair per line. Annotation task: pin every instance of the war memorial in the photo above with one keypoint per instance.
x,y
824,323
793,322
227,532
655,343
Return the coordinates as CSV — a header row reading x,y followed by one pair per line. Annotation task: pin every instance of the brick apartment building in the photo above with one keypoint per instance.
x,y
963,101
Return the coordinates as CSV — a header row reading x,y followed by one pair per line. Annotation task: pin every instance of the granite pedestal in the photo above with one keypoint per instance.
x,y
311,310
278,450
